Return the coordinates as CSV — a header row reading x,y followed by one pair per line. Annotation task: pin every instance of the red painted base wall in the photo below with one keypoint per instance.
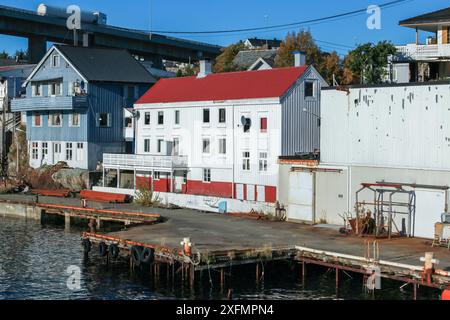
x,y
213,189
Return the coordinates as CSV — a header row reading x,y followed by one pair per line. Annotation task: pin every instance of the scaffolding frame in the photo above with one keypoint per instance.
x,y
384,207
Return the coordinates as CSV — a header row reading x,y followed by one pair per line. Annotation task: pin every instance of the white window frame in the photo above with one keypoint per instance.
x,y
263,164
204,139
55,89
147,143
159,145
108,119
177,115
225,113
209,116
35,150
314,84
206,176
37,86
71,117
69,151
176,146
50,120
33,119
160,113
157,175
222,146
57,150
246,160
44,149
147,113
58,61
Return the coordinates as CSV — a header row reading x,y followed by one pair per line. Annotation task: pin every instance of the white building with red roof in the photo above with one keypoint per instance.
x,y
214,140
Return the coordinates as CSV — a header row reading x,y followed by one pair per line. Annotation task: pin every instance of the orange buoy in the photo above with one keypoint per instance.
x,y
446,294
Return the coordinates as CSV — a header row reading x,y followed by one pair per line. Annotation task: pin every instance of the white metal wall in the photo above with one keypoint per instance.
x,y
392,126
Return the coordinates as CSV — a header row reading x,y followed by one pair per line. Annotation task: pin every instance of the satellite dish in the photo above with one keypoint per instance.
x,y
243,120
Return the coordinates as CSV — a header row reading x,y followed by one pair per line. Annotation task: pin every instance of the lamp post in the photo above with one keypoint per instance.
x,y
4,97
319,118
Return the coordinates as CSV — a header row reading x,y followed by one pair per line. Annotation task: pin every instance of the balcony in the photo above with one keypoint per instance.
x,y
144,162
49,103
412,52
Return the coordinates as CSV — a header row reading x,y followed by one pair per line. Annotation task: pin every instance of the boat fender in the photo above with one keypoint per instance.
x,y
136,255
446,295
87,245
102,249
148,255
114,251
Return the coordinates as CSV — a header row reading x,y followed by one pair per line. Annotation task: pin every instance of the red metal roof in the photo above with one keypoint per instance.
x,y
224,86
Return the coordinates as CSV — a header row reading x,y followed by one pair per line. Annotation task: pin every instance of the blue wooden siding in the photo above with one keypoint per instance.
x,y
63,133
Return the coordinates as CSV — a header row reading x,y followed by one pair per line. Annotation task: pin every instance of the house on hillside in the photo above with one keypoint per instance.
x,y
418,62
255,59
268,44
214,139
75,104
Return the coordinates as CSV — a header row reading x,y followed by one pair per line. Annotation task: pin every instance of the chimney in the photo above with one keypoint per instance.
x,y
205,68
300,58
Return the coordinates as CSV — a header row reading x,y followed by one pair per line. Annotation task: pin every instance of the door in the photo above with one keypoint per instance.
x,y
301,196
240,191
250,192
430,204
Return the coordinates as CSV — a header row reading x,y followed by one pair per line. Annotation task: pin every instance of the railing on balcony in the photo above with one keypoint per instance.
x,y
423,52
134,161
49,103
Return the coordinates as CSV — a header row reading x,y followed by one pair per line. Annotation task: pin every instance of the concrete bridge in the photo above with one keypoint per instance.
x,y
153,47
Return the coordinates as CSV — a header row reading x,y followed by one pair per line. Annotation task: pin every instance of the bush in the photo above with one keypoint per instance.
x,y
144,196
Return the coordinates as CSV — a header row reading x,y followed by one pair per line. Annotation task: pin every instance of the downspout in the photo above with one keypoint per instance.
x,y
234,157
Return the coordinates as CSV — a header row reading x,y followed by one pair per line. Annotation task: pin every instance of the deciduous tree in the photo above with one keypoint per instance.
x,y
224,62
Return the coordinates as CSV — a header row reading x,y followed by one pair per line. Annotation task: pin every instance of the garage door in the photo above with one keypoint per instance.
x,y
301,196
430,204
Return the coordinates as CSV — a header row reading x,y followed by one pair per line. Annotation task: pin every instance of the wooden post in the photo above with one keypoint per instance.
x,y
417,36
257,272
415,291
337,278
191,276
222,279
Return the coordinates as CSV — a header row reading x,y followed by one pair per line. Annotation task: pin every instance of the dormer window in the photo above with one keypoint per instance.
x,y
55,61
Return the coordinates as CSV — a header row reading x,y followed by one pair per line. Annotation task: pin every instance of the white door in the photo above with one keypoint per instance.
x,y
301,196
240,191
261,193
430,204
250,192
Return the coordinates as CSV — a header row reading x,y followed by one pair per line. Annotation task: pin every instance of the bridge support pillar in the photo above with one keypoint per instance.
x,y
37,48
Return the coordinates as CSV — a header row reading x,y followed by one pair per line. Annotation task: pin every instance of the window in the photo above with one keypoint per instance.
x,y
247,125
160,145
44,150
55,119
205,115
37,119
147,145
74,120
263,161
69,151
222,116
55,89
246,161
147,118
36,90
104,120
128,122
206,145
263,124
55,61
160,117
177,116
222,146
35,150
176,146
206,175
157,175
309,89
80,151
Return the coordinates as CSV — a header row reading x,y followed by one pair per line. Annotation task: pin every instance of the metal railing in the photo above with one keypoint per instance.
x,y
144,161
429,51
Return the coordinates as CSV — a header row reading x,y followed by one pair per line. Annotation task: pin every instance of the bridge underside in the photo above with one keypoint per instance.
x,y
39,30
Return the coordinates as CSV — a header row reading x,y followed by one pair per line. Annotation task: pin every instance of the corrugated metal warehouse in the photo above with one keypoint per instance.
x,y
380,134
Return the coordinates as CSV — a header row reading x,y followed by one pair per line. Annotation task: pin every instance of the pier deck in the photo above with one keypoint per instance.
x,y
227,240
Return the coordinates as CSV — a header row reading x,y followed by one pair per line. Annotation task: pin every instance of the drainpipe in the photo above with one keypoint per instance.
x,y
234,157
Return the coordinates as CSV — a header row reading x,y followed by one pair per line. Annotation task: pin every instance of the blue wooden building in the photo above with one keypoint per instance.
x,y
75,104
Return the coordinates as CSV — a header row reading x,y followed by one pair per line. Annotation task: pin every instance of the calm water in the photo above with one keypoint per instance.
x,y
34,259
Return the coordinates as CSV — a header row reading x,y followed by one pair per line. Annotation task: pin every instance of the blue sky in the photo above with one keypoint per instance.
x,y
231,14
